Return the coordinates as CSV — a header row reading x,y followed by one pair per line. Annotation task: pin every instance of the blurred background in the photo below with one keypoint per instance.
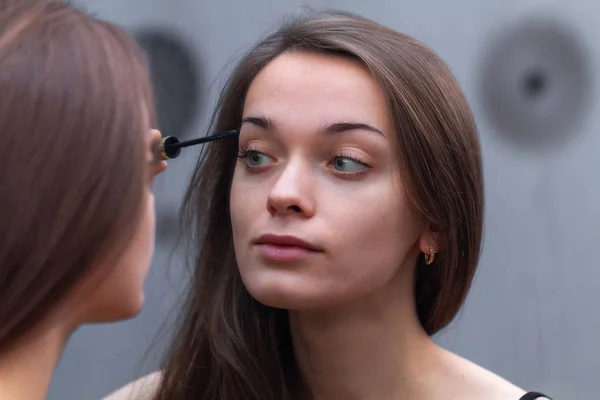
x,y
529,70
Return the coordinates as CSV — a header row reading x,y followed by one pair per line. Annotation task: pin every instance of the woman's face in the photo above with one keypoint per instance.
x,y
317,205
120,294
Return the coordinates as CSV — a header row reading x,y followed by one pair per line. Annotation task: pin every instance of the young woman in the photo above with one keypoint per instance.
x,y
339,232
77,222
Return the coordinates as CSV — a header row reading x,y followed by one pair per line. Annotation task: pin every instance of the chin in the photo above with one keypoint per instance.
x,y
129,309
277,300
116,311
290,295
131,312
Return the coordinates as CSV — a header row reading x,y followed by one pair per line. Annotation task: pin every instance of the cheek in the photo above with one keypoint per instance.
x,y
120,293
145,249
247,204
138,256
371,236
238,214
235,200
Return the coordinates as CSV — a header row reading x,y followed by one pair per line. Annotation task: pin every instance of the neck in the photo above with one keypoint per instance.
x,y
372,349
26,368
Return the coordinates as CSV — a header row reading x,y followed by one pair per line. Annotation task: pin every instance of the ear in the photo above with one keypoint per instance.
x,y
428,240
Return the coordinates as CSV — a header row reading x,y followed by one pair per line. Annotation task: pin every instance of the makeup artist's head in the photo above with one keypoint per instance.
x,y
357,141
77,223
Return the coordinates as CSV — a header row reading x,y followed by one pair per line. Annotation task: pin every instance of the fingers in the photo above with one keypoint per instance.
x,y
158,165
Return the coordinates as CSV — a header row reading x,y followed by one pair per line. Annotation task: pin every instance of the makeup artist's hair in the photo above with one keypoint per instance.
x,y
73,169
229,346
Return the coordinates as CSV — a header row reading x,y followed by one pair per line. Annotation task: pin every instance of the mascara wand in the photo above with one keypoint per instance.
x,y
170,147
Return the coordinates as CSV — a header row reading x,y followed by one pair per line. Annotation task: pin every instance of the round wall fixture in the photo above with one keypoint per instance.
x,y
176,79
535,82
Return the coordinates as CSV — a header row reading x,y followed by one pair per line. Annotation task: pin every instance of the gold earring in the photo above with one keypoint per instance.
x,y
431,256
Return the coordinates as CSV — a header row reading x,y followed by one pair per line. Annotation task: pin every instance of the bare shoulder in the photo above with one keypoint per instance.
x,y
471,381
143,388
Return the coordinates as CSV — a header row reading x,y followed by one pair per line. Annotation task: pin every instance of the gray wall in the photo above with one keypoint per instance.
x,y
533,314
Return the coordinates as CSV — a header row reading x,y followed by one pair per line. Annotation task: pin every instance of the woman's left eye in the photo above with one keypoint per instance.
x,y
348,165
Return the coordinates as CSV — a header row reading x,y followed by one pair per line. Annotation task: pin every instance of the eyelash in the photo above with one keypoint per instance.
x,y
242,156
350,175
244,152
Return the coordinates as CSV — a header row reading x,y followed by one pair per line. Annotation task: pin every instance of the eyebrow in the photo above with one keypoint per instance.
x,y
339,127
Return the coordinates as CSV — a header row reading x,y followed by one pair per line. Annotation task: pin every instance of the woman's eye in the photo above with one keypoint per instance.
x,y
256,159
348,165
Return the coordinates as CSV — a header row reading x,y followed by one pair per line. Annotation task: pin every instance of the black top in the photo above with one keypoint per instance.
x,y
533,396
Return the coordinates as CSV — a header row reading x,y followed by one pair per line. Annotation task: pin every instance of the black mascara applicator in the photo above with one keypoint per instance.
x,y
170,147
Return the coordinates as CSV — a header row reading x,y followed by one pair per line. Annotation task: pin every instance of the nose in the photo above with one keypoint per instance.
x,y
292,193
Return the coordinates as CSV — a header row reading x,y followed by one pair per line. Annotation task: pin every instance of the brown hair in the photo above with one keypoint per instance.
x,y
72,125
229,346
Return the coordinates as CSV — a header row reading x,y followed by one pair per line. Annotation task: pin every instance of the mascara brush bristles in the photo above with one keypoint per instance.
x,y
170,147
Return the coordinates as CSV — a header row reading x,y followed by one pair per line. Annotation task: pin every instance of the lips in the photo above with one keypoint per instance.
x,y
285,248
289,241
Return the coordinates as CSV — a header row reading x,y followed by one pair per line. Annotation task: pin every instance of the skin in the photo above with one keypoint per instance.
x,y
352,313
329,177
109,293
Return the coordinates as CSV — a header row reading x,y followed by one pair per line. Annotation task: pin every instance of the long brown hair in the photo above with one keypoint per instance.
x,y
228,345
74,169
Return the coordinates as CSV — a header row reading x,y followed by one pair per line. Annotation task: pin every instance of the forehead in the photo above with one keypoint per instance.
x,y
313,88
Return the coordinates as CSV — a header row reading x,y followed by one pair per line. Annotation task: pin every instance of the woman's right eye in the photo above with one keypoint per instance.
x,y
253,158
